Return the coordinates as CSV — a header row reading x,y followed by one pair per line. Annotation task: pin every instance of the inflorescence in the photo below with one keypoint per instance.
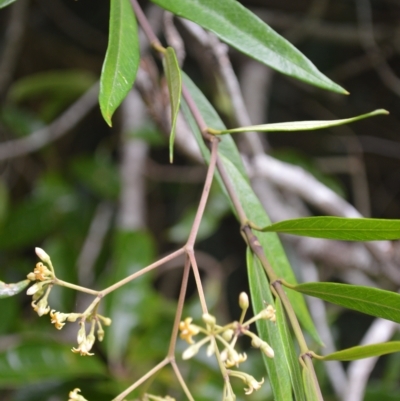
x,y
227,336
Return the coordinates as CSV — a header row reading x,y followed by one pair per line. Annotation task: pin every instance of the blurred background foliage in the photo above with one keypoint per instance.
x,y
66,196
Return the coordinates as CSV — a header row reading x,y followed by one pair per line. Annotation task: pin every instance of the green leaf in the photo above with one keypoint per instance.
x,y
37,361
253,208
8,290
173,75
292,359
341,228
362,351
372,301
4,3
277,367
122,58
240,28
299,125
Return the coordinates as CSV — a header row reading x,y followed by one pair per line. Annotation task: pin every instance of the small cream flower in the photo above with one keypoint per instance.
x,y
253,385
83,349
42,307
188,330
74,396
249,380
41,272
268,313
58,319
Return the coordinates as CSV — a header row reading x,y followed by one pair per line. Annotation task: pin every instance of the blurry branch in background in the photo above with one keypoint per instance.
x,y
93,243
339,33
367,38
73,26
14,35
59,127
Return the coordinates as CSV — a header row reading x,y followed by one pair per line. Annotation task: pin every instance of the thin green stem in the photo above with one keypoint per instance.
x,y
179,308
241,215
205,194
137,383
198,282
133,276
144,23
62,283
258,250
181,380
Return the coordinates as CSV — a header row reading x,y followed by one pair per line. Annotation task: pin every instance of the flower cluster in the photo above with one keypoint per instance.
x,y
227,336
86,341
44,277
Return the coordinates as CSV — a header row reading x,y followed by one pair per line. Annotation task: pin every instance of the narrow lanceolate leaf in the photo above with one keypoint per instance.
x,y
122,58
291,356
277,367
372,301
173,75
340,228
4,3
8,290
239,27
362,351
299,125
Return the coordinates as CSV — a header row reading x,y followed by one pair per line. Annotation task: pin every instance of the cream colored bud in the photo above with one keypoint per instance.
x,y
81,338
31,276
106,321
100,334
42,255
228,334
243,301
33,289
209,319
72,317
90,339
191,351
256,342
267,350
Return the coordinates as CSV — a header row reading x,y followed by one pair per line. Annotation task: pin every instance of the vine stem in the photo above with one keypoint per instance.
x,y
139,273
137,383
62,283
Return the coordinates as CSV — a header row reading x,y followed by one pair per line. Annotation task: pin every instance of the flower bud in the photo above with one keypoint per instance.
x,y
228,334
267,350
243,301
256,342
191,351
81,338
42,255
209,319
33,289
